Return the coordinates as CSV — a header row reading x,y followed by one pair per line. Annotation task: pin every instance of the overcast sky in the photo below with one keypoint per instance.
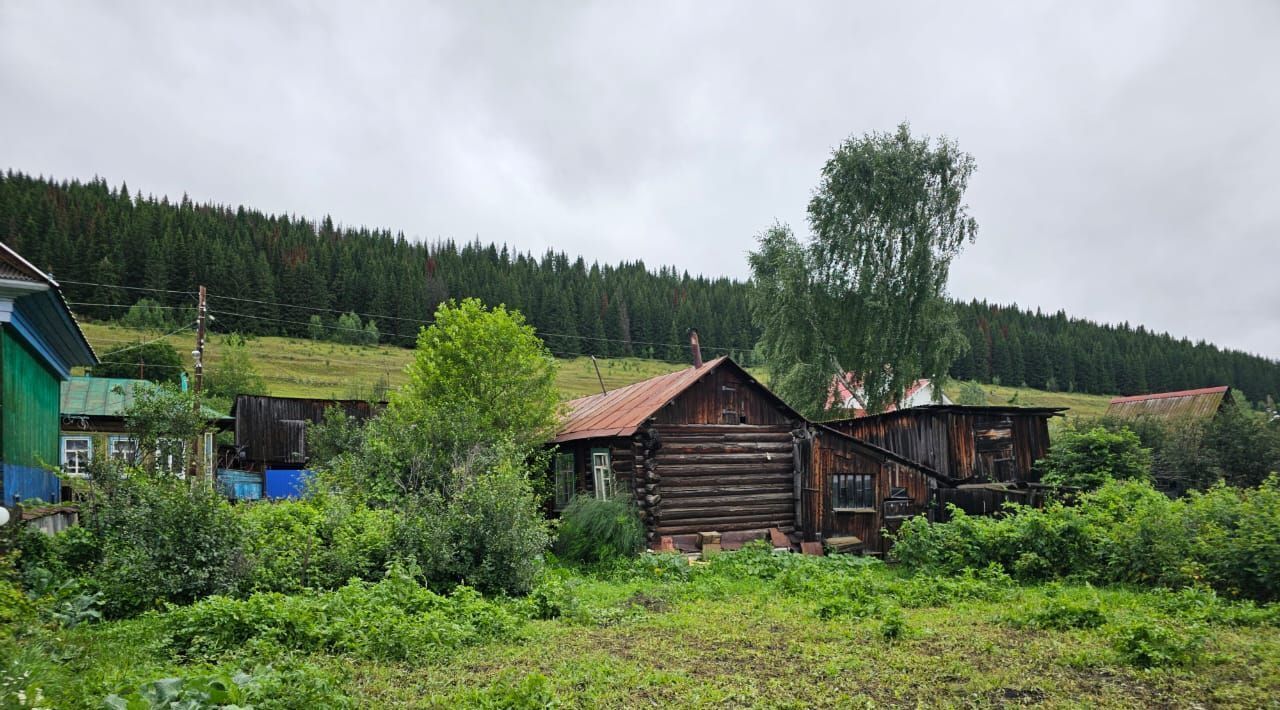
x,y
1128,154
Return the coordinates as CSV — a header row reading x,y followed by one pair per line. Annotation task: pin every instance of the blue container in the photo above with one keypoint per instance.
x,y
240,485
286,482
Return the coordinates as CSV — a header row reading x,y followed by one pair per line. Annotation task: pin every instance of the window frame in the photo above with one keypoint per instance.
x,y
606,482
864,498
566,479
88,454
132,458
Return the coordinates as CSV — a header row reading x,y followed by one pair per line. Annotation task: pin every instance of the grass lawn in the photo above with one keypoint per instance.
x,y
1082,405
745,634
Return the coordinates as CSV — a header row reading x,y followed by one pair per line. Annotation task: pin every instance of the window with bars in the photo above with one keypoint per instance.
x,y
602,471
77,452
566,480
852,490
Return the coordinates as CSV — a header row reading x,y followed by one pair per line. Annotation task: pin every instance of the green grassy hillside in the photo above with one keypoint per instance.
x,y
305,368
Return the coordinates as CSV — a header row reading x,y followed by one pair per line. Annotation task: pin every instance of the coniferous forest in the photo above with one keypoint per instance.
x,y
274,274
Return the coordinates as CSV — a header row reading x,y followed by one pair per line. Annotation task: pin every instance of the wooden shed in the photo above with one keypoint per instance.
x,y
711,449
271,432
965,444
852,490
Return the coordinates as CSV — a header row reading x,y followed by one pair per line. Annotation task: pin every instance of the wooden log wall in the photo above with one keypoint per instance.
x,y
833,454
724,478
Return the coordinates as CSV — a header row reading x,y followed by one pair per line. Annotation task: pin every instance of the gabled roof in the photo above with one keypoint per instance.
x,y
108,397
1199,403
41,314
622,411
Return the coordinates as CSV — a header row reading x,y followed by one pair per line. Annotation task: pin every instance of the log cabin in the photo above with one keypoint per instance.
x,y
711,449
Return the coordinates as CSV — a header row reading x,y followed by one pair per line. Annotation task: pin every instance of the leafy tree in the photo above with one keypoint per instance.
x,y
971,393
164,422
1087,459
233,372
371,333
315,328
863,299
156,361
146,314
1245,450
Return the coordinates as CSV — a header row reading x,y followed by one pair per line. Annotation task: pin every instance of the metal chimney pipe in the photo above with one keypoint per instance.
x,y
695,347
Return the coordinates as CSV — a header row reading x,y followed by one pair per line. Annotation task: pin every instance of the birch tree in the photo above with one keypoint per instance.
x,y
863,299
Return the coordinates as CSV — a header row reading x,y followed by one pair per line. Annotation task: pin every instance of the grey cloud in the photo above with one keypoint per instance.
x,y
1125,151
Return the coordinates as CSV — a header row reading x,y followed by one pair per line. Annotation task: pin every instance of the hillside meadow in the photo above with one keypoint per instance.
x,y
294,367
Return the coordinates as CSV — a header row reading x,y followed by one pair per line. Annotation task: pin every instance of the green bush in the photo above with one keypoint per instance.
x,y
395,619
1087,459
1126,531
490,535
161,540
315,543
1061,611
593,530
1152,645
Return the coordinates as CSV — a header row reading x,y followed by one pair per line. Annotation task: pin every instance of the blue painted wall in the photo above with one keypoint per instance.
x,y
286,482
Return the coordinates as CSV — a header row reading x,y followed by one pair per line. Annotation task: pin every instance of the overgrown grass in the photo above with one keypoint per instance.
x,y
750,629
1082,405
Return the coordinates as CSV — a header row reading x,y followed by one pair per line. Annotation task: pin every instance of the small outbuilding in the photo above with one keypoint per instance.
x,y
271,441
709,449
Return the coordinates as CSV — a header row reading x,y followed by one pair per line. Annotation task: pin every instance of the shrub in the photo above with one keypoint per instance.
x,y
395,619
593,530
1087,459
1126,531
215,691
1077,609
1151,645
161,540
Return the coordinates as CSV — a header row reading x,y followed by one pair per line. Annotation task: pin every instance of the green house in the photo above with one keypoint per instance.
x,y
40,342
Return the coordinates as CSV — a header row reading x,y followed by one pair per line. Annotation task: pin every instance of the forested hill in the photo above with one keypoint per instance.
x,y
270,274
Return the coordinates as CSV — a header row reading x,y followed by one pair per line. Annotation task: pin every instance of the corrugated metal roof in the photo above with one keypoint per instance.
x,y
84,396
14,266
622,411
1201,403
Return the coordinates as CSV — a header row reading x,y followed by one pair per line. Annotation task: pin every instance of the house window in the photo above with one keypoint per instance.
x,y
565,483
171,456
602,470
123,448
77,451
852,490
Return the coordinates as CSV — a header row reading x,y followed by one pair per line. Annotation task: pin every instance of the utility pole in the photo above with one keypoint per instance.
x,y
598,377
196,469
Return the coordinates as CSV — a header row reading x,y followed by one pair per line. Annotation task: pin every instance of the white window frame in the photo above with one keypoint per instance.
x,y
566,479
88,456
114,455
166,462
602,472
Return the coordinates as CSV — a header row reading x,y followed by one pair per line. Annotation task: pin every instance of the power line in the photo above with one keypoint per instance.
x,y
126,305
154,340
127,288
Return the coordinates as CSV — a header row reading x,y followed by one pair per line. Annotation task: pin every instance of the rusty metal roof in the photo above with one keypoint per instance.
x,y
622,411
1201,403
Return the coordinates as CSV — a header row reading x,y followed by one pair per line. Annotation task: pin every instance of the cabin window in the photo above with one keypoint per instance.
x,y
122,448
77,452
852,490
171,456
565,480
602,471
